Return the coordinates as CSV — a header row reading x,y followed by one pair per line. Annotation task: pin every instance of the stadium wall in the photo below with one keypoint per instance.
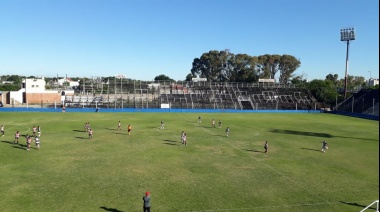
x,y
357,115
157,110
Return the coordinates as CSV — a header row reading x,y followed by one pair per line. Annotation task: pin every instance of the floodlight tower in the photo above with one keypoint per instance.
x,y
347,35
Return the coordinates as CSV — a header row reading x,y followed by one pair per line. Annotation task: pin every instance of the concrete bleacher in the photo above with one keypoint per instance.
x,y
366,101
233,96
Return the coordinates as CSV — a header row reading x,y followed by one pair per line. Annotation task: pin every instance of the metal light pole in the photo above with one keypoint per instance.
x,y
347,35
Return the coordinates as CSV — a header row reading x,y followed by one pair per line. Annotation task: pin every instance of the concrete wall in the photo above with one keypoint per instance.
x,y
45,98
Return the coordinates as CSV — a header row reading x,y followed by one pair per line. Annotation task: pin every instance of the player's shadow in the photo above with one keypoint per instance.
x,y
16,146
294,132
356,204
81,137
8,142
316,150
110,209
314,134
252,150
171,144
78,130
120,133
111,129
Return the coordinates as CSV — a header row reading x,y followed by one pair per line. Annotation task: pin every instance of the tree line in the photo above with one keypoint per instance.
x,y
224,66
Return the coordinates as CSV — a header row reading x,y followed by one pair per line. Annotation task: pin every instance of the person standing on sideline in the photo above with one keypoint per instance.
x,y
2,130
324,146
213,123
266,146
227,131
147,204
118,126
199,119
129,129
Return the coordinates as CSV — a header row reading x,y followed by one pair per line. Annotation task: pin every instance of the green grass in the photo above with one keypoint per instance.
x,y
112,171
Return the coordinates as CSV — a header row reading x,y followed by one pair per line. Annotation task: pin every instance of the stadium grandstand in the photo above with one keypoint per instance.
x,y
125,93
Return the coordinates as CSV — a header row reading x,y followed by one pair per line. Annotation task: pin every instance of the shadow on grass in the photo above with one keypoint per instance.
x,y
314,134
81,137
115,129
120,133
15,145
171,144
110,209
316,150
357,205
252,150
20,147
293,132
8,142
78,130
170,141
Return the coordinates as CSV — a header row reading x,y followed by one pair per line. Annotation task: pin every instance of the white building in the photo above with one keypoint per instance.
x,y
34,85
68,80
373,82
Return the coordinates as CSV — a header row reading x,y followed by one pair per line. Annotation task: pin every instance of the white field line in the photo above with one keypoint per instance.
x,y
268,166
275,206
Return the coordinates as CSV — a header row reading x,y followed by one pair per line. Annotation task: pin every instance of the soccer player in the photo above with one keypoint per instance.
x,y
38,131
162,125
213,123
146,200
185,139
85,127
129,129
324,146
182,136
227,131
118,126
2,130
17,137
37,139
266,146
220,123
90,133
199,119
28,142
34,131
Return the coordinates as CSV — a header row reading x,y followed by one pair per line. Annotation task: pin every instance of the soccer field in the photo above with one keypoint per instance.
x,y
113,170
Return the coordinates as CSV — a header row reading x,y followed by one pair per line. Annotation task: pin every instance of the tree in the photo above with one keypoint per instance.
x,y
288,65
244,69
15,78
323,90
299,80
189,77
163,77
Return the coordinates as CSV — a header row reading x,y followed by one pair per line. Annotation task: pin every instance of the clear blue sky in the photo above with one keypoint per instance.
x,y
145,38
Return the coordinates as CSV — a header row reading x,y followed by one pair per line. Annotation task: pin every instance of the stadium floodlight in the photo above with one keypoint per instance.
x,y
347,35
